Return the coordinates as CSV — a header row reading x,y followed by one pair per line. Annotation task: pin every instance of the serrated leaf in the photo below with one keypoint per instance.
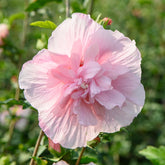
x,y
39,4
44,24
155,155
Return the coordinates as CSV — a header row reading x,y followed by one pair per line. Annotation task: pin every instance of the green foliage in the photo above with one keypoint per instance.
x,y
39,4
44,24
58,155
155,155
88,159
41,149
16,16
11,102
40,161
42,42
5,160
141,20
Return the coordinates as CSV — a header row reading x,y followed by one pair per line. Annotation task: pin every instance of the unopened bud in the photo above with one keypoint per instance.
x,y
55,146
107,21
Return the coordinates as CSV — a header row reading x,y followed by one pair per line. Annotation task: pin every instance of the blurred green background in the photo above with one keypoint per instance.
x,y
140,20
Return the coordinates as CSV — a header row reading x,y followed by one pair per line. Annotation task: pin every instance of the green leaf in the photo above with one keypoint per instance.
x,y
87,159
5,160
42,42
41,149
10,102
93,143
98,18
16,16
39,4
40,161
44,24
155,155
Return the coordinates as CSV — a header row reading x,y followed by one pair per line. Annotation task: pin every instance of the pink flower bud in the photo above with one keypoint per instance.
x,y
55,146
4,31
107,20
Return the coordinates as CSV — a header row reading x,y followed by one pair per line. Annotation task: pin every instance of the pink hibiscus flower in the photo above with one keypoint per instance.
x,y
88,81
4,31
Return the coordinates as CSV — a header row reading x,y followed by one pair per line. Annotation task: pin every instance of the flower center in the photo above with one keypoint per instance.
x,y
84,85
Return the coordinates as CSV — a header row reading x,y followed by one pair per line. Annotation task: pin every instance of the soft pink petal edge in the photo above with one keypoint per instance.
x,y
79,27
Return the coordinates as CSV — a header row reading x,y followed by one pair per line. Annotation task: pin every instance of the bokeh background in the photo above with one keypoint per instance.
x,y
140,20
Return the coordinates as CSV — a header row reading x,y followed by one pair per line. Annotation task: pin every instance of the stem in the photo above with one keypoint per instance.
x,y
11,130
67,3
91,7
36,147
81,154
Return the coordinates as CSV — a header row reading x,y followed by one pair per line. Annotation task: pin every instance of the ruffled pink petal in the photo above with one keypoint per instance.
x,y
65,129
101,83
94,88
89,70
117,118
38,82
104,83
135,95
64,74
126,82
99,110
84,113
69,89
76,54
79,27
110,99
118,49
129,55
129,85
91,53
115,70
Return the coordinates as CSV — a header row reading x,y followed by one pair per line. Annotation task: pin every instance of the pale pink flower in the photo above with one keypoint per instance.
x,y
61,162
88,81
4,31
18,111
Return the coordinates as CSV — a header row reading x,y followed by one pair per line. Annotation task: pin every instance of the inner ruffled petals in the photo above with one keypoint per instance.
x,y
89,70
114,70
110,99
64,74
84,113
